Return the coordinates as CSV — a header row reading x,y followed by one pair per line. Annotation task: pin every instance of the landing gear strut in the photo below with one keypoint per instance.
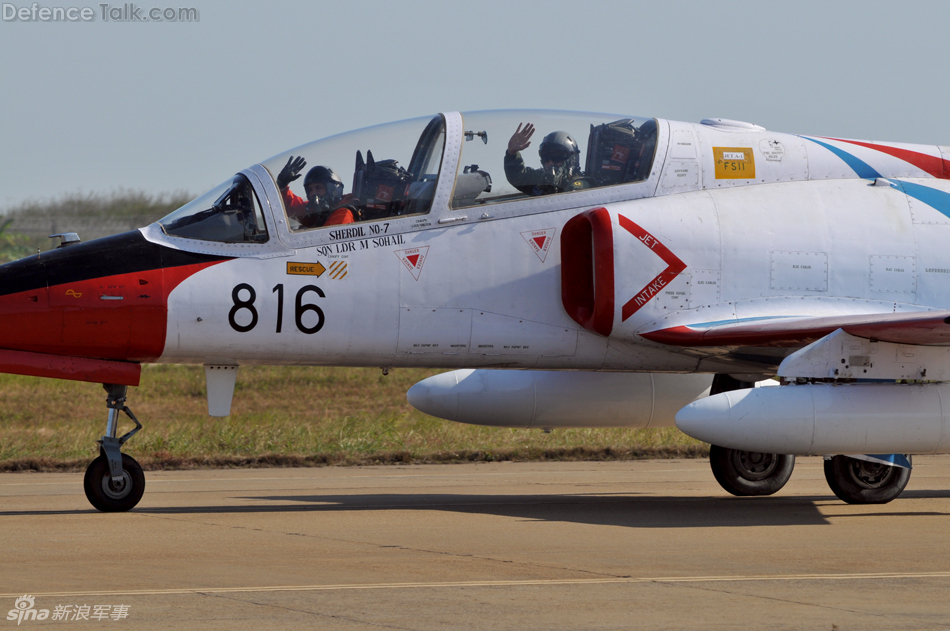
x,y
114,481
864,482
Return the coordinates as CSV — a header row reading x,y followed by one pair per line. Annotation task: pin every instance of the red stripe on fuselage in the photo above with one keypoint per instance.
x,y
937,167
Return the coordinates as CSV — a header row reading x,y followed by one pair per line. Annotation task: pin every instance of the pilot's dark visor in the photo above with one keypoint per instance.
x,y
554,154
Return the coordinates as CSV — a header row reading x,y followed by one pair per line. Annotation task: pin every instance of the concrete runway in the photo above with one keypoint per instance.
x,y
614,545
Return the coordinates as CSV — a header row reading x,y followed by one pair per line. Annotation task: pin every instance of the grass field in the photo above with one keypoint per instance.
x,y
284,416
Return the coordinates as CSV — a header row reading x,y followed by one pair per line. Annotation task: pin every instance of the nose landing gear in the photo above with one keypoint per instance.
x,y
114,481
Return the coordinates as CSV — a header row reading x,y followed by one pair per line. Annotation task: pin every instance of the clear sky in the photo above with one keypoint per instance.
x,y
95,106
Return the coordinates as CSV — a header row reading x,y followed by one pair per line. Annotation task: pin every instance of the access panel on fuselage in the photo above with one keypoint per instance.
x,y
485,295
831,241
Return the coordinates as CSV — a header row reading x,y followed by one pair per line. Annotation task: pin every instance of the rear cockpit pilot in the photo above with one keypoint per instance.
x,y
560,163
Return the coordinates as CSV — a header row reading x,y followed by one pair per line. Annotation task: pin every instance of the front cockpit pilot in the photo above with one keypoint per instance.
x,y
326,204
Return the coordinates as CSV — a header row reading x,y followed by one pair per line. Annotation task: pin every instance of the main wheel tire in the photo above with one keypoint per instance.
x,y
861,482
746,473
114,496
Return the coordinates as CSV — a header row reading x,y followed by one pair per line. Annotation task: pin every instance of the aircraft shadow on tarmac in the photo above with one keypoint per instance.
x,y
620,509
606,510
624,510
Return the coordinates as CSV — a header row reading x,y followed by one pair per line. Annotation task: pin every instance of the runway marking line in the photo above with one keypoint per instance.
x,y
517,583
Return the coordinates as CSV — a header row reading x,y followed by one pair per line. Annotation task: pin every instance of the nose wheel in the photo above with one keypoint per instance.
x,y
114,494
114,481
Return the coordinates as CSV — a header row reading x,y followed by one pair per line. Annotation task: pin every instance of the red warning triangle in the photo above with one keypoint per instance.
x,y
413,259
540,241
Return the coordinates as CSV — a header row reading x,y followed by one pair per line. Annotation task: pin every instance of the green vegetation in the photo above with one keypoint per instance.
x,y
284,416
13,246
26,227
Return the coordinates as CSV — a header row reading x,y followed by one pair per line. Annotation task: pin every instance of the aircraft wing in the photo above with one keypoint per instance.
x,y
926,328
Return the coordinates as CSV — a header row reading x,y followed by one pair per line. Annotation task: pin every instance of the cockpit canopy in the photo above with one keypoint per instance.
x,y
230,212
393,170
608,150
387,171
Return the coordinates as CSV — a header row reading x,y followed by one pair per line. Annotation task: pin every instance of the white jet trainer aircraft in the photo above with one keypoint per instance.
x,y
623,264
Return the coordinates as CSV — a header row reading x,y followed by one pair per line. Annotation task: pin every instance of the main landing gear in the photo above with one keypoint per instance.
x,y
746,473
865,482
860,480
115,482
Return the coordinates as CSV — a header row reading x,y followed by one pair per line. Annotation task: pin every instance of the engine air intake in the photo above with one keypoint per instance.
x,y
587,270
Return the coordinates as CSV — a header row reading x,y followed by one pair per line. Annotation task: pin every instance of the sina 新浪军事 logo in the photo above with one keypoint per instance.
x,y
23,610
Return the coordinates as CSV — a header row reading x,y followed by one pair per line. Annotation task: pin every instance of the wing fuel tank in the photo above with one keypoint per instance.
x,y
543,399
824,419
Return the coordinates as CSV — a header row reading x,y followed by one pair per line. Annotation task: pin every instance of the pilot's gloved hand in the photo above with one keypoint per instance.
x,y
521,139
291,171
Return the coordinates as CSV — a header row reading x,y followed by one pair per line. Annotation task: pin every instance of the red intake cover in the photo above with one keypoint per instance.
x,y
587,270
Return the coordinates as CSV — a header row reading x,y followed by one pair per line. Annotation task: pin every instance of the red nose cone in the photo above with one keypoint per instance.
x,y
105,300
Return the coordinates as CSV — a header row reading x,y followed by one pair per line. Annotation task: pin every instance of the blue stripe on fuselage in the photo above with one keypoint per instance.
x,y
862,168
937,199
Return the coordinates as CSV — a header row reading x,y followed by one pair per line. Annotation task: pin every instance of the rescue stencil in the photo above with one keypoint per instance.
x,y
306,269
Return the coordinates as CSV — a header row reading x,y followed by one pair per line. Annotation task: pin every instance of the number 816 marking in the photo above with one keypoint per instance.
x,y
300,308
